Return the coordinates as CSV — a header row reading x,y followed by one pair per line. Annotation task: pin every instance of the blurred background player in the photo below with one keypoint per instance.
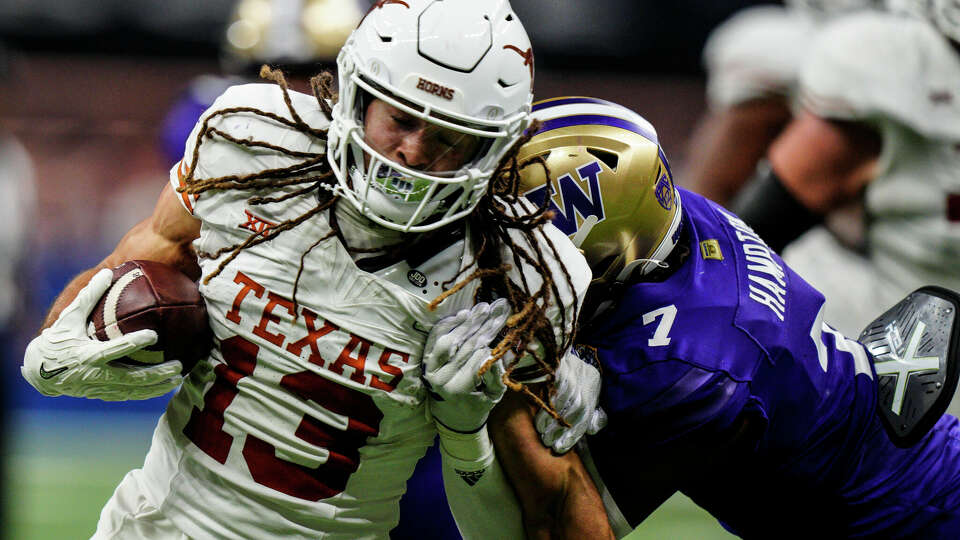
x,y
17,206
753,63
324,450
720,377
879,121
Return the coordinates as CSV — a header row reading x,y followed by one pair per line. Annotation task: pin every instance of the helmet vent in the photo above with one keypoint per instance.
x,y
385,39
609,158
509,16
503,83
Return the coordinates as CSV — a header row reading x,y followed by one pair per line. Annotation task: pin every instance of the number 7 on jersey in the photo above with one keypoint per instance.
x,y
666,314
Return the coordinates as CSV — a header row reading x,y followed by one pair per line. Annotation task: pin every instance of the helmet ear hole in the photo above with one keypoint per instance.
x,y
609,158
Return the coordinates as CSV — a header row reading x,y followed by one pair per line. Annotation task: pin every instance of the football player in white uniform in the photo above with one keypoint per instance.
x,y
344,256
880,120
752,61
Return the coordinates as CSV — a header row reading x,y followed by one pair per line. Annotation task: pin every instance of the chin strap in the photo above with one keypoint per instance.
x,y
628,270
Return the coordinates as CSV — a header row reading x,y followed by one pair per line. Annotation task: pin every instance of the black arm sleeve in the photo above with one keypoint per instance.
x,y
773,212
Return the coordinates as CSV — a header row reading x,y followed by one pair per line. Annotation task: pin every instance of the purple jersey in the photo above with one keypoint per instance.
x,y
735,333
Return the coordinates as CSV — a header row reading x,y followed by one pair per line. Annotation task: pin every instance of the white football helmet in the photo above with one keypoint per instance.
x,y
462,65
945,15
829,8
912,8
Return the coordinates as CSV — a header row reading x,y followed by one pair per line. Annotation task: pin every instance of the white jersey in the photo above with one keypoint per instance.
x,y
902,77
756,53
309,415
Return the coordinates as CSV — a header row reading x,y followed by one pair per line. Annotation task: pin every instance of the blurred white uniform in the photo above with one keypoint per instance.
x,y
756,53
308,417
17,201
902,77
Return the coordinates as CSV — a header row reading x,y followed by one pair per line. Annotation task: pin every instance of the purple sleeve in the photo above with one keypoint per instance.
x,y
671,402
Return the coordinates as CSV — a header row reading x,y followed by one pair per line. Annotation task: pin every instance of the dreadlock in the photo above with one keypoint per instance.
x,y
529,331
311,170
501,211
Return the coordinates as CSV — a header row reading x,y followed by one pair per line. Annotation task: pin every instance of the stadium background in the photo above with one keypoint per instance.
x,y
86,88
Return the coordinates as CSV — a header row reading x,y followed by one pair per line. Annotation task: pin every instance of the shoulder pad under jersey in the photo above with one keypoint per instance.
x,y
219,157
877,67
755,53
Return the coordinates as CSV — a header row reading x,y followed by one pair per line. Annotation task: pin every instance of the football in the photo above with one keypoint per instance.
x,y
147,294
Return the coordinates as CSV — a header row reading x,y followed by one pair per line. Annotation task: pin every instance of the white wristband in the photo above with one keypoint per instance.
x,y
466,451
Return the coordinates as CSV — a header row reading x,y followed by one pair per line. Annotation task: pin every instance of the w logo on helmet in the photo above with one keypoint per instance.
x,y
574,200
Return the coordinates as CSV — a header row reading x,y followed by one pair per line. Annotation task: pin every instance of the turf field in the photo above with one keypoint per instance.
x,y
62,466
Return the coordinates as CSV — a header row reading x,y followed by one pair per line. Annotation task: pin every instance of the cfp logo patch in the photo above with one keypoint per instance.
x,y
436,89
574,200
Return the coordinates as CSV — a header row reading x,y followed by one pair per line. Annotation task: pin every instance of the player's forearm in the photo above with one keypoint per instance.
x,y
165,237
557,496
726,147
577,513
481,499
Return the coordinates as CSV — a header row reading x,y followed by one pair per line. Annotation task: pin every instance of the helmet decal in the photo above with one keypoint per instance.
x,y
379,4
527,58
436,89
575,201
664,191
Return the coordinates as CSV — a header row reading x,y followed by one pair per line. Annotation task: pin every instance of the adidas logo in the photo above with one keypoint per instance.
x,y
471,477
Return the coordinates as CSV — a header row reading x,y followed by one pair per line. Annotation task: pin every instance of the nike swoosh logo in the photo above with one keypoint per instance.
x,y
51,374
418,327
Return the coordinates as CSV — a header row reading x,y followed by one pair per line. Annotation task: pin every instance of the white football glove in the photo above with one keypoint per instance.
x,y
64,360
456,349
578,391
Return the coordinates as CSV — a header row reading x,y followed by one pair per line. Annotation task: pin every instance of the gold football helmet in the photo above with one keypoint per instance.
x,y
610,184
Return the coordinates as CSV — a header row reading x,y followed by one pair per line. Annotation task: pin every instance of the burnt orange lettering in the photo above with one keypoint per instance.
x,y
248,285
356,362
310,319
397,373
269,316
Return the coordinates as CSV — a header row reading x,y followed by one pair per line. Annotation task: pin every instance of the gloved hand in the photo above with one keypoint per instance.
x,y
64,360
578,391
456,349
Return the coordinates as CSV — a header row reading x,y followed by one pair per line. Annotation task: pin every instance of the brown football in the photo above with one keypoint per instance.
x,y
147,294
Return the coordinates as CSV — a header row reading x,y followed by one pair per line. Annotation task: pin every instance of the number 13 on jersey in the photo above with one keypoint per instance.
x,y
205,427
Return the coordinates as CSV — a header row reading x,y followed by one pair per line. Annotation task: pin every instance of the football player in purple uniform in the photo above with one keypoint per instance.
x,y
720,378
